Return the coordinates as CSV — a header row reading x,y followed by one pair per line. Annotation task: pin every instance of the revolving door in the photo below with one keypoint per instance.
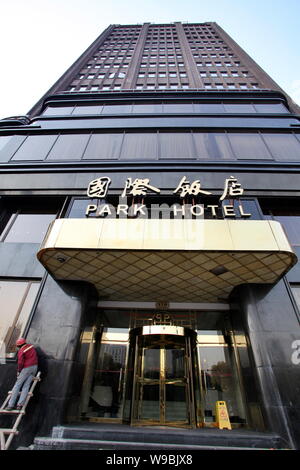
x,y
162,378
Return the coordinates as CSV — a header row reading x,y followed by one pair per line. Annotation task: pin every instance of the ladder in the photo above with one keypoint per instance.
x,y
11,432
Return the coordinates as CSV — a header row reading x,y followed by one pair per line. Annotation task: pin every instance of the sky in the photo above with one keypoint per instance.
x,y
40,39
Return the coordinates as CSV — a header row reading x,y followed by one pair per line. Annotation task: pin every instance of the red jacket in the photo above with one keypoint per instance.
x,y
27,357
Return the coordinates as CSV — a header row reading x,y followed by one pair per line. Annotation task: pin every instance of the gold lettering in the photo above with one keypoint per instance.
x,y
122,208
177,209
213,210
229,211
139,209
243,214
195,208
90,208
104,209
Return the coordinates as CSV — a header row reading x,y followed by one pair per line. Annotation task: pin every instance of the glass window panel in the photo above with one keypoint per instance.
x,y
104,146
179,145
219,147
283,146
8,145
174,363
106,393
149,408
178,108
78,208
117,109
271,108
151,365
69,146
249,146
208,108
147,108
87,110
58,110
220,382
16,299
139,146
27,228
11,295
35,147
239,108
176,402
201,140
296,294
27,305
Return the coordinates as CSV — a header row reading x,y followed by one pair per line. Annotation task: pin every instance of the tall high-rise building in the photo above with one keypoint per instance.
x,y
165,57
149,233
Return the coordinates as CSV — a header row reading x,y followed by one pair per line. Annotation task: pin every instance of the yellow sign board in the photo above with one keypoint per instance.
x,y
222,417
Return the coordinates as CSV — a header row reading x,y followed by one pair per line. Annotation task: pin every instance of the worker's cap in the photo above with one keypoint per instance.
x,y
20,341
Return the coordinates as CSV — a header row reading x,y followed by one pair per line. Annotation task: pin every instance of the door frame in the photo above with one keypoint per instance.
x,y
164,333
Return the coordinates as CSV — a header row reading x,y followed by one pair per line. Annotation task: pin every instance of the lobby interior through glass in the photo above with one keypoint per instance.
x,y
161,368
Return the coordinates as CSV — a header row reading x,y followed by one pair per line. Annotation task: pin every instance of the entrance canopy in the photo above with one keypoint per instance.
x,y
166,260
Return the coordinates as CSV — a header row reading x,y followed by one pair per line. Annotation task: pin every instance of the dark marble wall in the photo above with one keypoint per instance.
x,y
270,323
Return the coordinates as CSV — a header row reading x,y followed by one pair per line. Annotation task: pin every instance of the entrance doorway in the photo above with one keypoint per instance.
x,y
162,382
170,371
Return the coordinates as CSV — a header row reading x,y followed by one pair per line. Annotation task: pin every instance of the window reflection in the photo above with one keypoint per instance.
x,y
219,376
154,145
27,228
106,396
16,300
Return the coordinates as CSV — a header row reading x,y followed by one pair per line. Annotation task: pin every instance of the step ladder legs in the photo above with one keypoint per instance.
x,y
5,443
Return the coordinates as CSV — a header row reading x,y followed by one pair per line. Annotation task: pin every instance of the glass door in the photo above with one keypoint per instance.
x,y
102,397
162,390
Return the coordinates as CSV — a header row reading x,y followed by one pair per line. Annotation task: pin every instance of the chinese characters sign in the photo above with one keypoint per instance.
x,y
188,191
98,188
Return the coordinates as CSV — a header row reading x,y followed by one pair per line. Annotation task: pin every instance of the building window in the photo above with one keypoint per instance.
x,y
104,147
16,299
296,293
35,147
283,146
26,227
249,146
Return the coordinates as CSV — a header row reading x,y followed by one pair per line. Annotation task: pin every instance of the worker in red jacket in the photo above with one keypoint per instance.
x,y
27,368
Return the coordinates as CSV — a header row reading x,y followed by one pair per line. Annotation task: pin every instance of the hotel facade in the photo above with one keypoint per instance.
x,y
149,239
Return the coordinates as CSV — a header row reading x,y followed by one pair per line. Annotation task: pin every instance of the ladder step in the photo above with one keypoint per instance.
x,y
9,431
15,412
